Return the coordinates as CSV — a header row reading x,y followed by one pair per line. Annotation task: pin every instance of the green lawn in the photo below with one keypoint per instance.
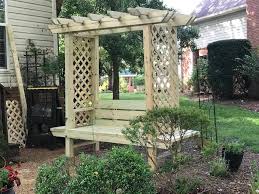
x,y
232,121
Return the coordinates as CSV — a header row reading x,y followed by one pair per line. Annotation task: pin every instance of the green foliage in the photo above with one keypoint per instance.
x,y
210,150
199,78
123,85
223,72
219,168
53,178
139,80
185,185
234,147
145,130
179,160
121,170
186,36
3,178
55,65
255,178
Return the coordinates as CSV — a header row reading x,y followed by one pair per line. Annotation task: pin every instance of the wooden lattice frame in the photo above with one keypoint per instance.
x,y
164,66
15,126
82,60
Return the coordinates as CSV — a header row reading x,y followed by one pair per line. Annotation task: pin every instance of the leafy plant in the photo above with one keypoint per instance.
x,y
171,166
8,178
53,178
210,150
255,178
167,125
199,79
234,147
121,170
185,185
219,168
139,80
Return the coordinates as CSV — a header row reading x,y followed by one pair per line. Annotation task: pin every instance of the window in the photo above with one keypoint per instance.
x,y
2,35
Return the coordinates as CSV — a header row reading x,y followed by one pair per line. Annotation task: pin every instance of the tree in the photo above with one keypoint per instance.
x,y
122,49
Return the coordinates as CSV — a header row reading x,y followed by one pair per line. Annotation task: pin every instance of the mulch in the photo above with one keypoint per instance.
x,y
236,183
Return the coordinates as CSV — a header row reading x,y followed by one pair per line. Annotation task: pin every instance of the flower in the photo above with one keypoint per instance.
x,y
8,178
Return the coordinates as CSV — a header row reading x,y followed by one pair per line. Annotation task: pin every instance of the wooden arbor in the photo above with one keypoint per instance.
x,y
96,121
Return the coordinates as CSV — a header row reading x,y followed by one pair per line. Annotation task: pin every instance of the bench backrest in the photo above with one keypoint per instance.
x,y
119,112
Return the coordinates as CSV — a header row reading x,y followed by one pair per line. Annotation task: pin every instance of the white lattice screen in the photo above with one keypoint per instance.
x,y
165,67
82,80
15,126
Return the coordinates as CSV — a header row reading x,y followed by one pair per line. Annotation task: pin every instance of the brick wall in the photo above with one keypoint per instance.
x,y
253,22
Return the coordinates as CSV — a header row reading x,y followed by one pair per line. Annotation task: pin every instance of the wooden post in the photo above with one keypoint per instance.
x,y
18,75
96,80
69,93
147,37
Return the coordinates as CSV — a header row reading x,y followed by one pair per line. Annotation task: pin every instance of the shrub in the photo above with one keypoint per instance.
x,y
210,150
122,170
184,185
163,123
199,80
179,160
223,70
139,80
53,178
255,178
234,147
218,168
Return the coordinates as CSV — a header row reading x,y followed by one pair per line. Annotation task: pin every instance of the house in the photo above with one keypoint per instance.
x,y
221,20
29,19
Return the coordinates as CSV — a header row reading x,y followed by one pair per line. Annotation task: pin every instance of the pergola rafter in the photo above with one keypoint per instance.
x,y
136,17
87,118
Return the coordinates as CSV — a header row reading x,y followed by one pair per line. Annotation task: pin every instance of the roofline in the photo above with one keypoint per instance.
x,y
222,13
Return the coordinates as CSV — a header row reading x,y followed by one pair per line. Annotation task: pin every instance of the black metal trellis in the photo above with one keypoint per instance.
x,y
206,100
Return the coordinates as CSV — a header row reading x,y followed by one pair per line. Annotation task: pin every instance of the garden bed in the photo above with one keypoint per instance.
x,y
197,167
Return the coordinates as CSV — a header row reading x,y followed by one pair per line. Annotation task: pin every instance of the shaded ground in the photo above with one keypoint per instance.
x,y
198,167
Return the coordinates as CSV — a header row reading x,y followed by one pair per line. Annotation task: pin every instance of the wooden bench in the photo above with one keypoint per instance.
x,y
111,117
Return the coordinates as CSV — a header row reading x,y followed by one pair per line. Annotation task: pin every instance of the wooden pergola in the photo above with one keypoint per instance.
x,y
87,118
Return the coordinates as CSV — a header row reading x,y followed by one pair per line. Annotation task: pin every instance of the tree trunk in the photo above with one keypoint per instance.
x,y
110,80
116,79
59,5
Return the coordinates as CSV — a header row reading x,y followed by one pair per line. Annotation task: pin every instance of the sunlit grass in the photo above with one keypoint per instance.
x,y
232,121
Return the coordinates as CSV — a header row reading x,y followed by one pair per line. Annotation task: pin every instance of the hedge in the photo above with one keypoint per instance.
x,y
222,59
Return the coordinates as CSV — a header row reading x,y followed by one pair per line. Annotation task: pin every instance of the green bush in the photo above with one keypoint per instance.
x,y
163,123
179,160
219,168
199,79
234,147
139,80
224,76
210,150
121,170
255,178
185,185
53,178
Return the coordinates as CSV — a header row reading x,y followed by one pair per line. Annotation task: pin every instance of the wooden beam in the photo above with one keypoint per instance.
x,y
69,93
95,25
148,65
18,74
109,31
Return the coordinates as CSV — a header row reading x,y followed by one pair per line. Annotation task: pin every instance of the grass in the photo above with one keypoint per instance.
x,y
232,121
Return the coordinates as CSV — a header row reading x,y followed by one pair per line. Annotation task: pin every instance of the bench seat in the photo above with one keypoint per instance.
x,y
110,134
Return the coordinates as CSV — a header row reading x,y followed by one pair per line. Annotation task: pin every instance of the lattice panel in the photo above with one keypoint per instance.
x,y
15,126
165,71
82,79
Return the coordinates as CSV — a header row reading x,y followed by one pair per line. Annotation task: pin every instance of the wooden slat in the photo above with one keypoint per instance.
x,y
110,134
18,75
114,123
117,114
122,104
